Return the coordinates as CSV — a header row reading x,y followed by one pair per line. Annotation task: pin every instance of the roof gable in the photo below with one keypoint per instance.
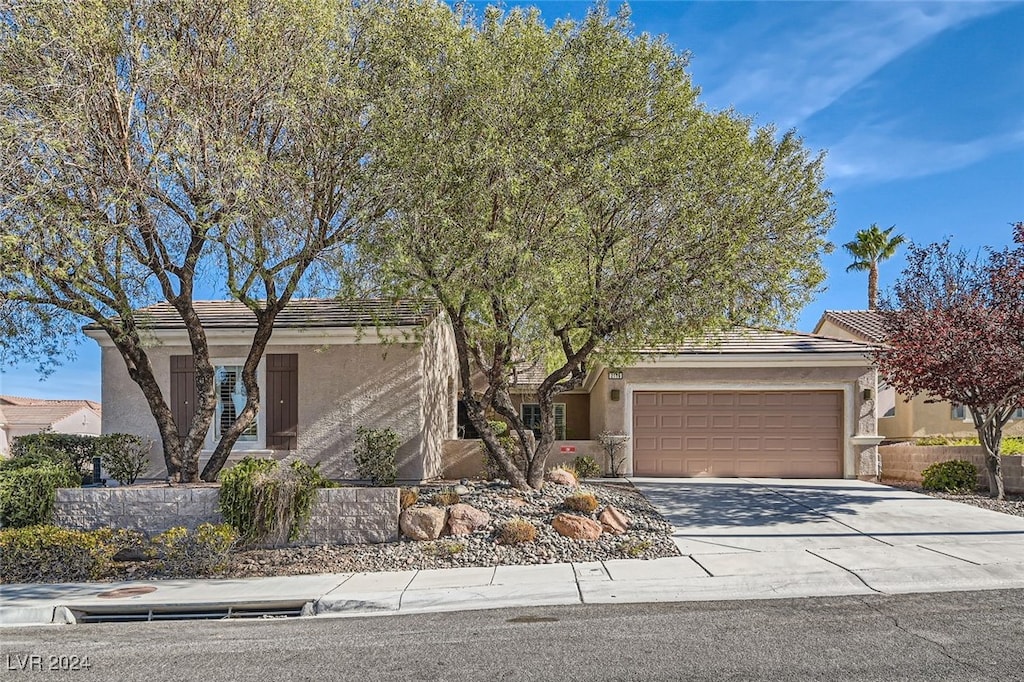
x,y
867,324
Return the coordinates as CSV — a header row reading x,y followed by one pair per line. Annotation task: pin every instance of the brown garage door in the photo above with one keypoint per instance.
x,y
786,434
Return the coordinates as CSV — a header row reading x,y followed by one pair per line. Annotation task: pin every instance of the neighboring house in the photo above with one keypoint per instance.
x,y
326,372
900,418
23,416
743,403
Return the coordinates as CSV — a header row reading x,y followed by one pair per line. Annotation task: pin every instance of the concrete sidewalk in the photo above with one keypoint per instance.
x,y
761,575
741,539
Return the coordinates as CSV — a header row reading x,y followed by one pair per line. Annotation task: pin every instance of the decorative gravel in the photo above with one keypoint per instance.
x,y
648,537
1013,504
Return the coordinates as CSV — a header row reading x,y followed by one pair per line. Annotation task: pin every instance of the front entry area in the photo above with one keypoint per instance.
x,y
764,434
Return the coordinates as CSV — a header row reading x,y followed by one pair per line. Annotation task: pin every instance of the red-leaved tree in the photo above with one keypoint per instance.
x,y
955,327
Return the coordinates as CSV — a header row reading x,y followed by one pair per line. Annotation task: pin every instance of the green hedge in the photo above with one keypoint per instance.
x,y
952,476
27,493
48,554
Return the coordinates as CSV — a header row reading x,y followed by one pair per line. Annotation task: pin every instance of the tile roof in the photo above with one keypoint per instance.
x,y
41,416
760,342
299,313
17,400
867,324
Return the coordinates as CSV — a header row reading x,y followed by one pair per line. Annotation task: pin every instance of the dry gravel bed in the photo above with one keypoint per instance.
x,y
648,537
1013,504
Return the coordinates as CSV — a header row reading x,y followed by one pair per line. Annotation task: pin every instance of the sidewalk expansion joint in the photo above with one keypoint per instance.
x,y
851,572
951,556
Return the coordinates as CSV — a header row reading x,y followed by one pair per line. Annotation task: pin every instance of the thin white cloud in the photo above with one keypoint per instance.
x,y
787,74
875,154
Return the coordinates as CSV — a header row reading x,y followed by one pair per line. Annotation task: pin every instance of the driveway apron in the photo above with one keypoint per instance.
x,y
783,526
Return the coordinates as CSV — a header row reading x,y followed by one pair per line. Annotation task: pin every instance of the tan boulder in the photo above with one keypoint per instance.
x,y
561,477
576,527
463,519
422,523
613,520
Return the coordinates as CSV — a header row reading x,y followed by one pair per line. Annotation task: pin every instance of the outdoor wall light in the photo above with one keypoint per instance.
x,y
616,393
866,394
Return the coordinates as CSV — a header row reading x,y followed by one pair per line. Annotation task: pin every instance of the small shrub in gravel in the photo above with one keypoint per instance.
x,y
516,531
200,552
951,476
445,498
582,502
407,497
586,467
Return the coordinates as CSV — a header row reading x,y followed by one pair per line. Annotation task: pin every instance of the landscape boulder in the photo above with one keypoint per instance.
x,y
422,523
463,519
613,520
576,527
561,477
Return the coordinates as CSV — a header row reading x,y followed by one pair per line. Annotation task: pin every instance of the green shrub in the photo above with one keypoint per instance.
x,y
27,493
76,450
196,553
516,531
934,440
582,502
124,456
48,554
375,453
267,503
586,467
956,475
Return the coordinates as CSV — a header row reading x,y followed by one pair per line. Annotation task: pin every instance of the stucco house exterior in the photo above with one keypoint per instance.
x,y
900,417
330,367
20,416
742,403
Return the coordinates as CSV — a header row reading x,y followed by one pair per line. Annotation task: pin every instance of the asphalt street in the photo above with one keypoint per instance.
x,y
948,636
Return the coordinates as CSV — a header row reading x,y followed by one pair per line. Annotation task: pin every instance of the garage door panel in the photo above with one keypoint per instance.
x,y
738,433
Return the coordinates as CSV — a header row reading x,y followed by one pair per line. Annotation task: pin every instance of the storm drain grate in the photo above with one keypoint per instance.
x,y
220,613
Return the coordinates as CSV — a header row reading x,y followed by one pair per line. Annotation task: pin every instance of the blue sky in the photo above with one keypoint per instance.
x,y
920,106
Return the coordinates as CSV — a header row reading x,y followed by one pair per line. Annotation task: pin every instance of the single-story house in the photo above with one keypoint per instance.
x,y
326,372
21,416
900,417
742,403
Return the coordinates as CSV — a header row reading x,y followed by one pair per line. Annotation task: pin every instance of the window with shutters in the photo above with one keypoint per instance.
x,y
231,397
530,412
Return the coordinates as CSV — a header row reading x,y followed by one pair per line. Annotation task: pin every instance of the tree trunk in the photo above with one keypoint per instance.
x,y
990,435
873,287
244,419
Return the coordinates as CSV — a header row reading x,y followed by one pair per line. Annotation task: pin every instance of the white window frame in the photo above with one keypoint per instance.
x,y
259,443
558,408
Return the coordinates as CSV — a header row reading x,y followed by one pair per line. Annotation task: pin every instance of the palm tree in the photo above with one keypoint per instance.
x,y
871,247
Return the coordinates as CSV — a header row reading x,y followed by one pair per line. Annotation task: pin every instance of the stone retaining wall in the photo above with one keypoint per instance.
x,y
903,462
341,516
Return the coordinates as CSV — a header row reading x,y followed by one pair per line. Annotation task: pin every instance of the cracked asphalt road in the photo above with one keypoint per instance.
x,y
948,636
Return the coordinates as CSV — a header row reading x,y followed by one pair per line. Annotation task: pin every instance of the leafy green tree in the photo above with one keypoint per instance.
x,y
148,147
566,198
869,248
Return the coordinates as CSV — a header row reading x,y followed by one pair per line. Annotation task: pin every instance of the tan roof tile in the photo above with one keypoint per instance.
x,y
868,324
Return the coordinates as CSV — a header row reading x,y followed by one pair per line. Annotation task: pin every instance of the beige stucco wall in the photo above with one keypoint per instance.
x,y
859,418
465,458
341,386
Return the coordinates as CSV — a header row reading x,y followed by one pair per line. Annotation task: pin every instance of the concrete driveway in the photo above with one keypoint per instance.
x,y
882,535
